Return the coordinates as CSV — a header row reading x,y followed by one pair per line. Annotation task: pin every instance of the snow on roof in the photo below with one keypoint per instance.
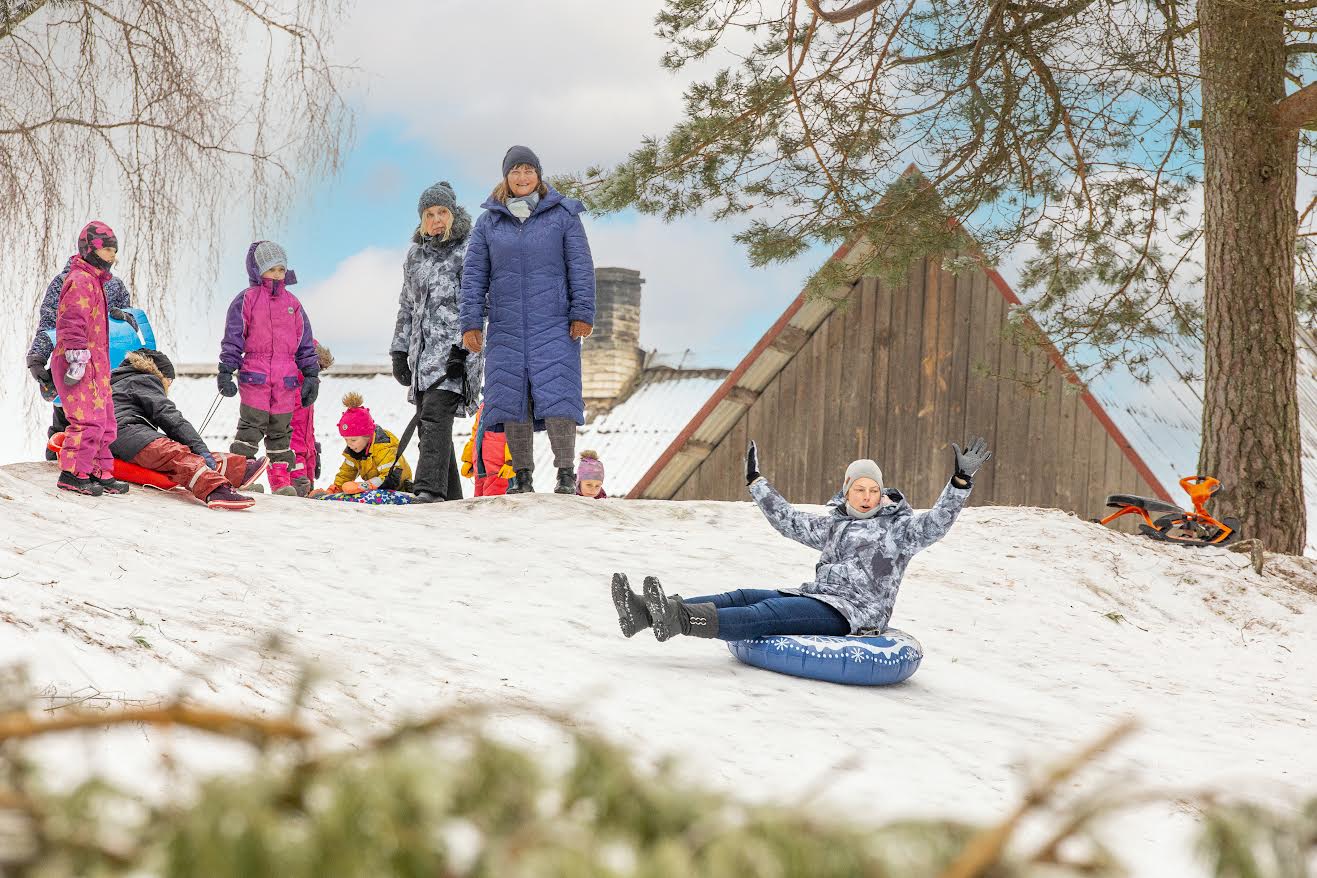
x,y
629,438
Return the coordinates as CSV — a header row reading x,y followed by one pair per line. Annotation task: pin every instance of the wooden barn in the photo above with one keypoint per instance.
x,y
897,373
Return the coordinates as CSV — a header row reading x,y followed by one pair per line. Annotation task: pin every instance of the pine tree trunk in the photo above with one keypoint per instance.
x,y
1250,403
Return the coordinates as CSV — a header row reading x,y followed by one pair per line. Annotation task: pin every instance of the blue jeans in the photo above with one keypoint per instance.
x,y
751,612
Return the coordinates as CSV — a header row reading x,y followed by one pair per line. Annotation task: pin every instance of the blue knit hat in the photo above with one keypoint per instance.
x,y
521,155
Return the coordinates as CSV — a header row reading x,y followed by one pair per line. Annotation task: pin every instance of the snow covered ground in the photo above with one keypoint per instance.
x,y
1040,632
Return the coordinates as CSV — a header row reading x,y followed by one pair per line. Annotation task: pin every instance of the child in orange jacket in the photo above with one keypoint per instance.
x,y
488,459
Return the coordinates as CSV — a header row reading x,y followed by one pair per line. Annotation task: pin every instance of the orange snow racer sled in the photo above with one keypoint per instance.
x,y
124,470
1173,524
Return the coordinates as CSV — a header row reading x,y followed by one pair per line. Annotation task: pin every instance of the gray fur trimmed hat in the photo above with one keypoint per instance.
x,y
861,469
521,155
441,194
267,255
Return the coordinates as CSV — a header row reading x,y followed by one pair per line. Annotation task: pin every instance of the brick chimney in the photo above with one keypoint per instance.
x,y
611,357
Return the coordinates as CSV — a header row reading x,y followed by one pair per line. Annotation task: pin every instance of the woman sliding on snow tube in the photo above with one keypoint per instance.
x,y
867,539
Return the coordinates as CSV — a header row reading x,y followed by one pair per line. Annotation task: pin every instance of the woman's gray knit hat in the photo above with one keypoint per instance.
x,y
862,469
521,155
439,195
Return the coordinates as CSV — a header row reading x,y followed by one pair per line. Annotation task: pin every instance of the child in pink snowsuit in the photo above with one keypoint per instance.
x,y
306,450
80,367
268,342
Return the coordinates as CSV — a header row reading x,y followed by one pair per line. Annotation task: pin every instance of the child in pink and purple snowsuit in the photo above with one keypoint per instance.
x,y
80,367
268,342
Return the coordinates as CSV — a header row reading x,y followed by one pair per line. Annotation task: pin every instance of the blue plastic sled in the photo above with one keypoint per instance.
x,y
856,661
123,340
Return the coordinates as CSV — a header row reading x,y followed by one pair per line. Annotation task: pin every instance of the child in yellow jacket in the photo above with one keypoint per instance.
x,y
371,454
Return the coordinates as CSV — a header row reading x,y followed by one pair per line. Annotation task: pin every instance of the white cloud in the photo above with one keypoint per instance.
x,y
700,292
354,309
577,80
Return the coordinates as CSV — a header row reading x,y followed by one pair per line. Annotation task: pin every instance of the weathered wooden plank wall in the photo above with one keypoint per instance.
x,y
897,373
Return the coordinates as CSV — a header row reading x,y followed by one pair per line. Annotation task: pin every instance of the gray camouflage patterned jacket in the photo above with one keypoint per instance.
x,y
863,561
428,324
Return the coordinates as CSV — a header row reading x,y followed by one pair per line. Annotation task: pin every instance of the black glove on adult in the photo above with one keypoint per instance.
x,y
751,464
401,371
225,381
456,365
120,314
310,390
968,461
393,481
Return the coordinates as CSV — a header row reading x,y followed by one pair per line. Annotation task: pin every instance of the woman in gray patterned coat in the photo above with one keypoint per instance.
x,y
867,538
441,377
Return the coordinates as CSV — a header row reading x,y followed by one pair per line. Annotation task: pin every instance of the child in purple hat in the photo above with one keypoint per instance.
x,y
590,476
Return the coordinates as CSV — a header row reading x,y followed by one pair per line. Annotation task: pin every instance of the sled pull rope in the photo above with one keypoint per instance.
x,y
210,413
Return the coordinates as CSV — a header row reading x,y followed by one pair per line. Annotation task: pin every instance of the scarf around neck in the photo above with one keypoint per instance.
x,y
523,206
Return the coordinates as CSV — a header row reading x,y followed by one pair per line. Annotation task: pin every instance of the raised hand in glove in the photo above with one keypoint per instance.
x,y
121,314
310,390
225,381
402,373
969,459
751,464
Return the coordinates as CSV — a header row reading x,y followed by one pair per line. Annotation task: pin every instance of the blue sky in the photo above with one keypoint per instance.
x,y
592,104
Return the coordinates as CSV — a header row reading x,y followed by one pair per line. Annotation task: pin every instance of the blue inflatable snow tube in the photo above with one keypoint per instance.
x,y
856,661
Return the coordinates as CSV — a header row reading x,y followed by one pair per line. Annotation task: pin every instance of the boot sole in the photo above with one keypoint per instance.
x,y
655,602
231,504
84,492
114,491
622,603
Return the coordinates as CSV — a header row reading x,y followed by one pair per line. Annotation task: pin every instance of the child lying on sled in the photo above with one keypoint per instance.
x,y
867,538
154,435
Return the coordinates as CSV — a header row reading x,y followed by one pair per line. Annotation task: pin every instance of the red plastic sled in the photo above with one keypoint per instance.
x,y
123,470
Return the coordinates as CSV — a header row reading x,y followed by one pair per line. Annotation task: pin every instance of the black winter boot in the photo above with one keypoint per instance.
x,y
524,485
89,486
632,615
566,481
111,485
699,620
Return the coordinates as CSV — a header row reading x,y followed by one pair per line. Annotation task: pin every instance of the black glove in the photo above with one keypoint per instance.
x,y
41,373
310,390
456,365
121,314
319,457
225,381
968,461
393,481
751,464
401,370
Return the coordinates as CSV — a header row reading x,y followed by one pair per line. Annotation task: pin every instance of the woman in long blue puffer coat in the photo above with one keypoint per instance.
x,y
529,273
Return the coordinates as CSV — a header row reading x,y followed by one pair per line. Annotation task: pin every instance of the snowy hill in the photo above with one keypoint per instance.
x,y
1040,631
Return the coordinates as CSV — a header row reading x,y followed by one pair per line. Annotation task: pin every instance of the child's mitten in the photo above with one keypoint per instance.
x,y
78,361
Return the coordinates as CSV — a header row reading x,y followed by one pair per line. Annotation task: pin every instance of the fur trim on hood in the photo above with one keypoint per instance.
x,y
461,229
143,363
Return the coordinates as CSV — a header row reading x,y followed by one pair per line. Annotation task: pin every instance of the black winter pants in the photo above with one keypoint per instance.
x,y
436,471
